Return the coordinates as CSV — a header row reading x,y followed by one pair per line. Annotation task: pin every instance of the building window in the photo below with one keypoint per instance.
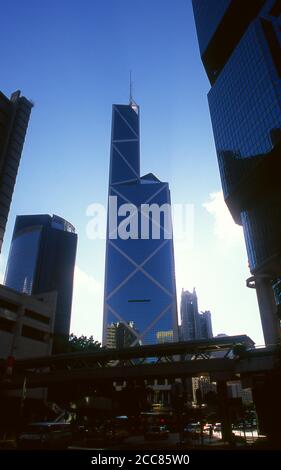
x,y
7,325
8,306
37,316
33,333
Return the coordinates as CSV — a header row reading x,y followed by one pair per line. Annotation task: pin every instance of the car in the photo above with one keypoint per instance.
x,y
244,425
192,431
192,427
207,427
157,432
117,429
117,434
217,427
46,435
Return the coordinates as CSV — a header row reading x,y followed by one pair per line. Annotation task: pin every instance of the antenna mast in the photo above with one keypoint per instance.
x,y
132,102
131,88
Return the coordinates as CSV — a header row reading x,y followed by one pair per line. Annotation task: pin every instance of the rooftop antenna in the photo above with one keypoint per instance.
x,y
131,89
132,102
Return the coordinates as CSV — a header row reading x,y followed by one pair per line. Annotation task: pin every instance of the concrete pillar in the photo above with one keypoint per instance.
x,y
17,331
268,311
266,393
226,429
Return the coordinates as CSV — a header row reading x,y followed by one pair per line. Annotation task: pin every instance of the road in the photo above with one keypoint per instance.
x,y
140,443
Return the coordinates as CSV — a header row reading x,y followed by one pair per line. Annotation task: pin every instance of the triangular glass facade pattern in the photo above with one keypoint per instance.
x,y
140,291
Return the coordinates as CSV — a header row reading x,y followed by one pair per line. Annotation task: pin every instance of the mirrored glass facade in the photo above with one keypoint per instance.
x,y
208,15
250,80
14,117
140,294
245,107
42,259
25,247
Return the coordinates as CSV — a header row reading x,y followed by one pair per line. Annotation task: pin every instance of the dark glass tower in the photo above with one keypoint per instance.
x,y
14,118
240,45
189,316
140,293
194,325
205,321
42,259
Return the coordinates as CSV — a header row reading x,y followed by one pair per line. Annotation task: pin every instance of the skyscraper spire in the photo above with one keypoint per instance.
x,y
131,101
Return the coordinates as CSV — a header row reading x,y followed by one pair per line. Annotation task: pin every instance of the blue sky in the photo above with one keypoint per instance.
x,y
73,59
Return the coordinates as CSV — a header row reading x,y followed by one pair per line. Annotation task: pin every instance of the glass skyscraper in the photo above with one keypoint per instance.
x,y
42,259
240,46
14,118
194,325
140,292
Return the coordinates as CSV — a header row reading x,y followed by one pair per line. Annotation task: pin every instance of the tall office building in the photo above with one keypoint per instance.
x,y
26,323
140,292
205,324
189,315
14,117
41,259
119,336
194,325
240,46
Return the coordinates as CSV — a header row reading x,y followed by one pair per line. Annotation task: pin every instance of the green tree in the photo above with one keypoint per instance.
x,y
82,343
73,343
